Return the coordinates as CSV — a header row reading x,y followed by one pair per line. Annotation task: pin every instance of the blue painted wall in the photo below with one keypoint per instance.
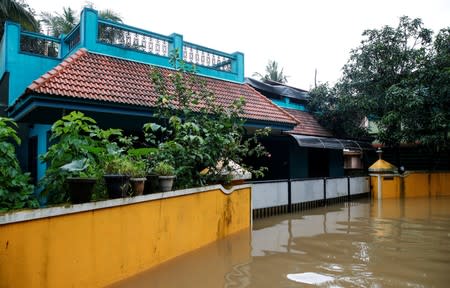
x,y
336,163
23,67
286,103
298,161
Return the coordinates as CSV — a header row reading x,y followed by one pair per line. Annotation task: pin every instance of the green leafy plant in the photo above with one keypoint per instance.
x,y
119,165
16,192
76,137
138,169
193,131
164,169
80,168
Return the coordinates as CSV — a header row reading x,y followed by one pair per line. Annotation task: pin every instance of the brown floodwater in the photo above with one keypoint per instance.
x,y
391,243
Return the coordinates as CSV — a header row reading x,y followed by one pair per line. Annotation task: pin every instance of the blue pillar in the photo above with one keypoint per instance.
x,y
88,28
40,130
63,47
177,43
237,66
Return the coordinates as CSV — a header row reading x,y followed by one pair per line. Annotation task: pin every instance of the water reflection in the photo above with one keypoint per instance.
x,y
203,267
393,243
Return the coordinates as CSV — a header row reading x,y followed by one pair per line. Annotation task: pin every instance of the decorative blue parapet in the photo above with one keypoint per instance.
x,y
71,41
40,53
24,57
38,44
132,43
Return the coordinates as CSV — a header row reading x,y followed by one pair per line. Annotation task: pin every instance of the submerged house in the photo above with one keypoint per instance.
x,y
102,69
308,150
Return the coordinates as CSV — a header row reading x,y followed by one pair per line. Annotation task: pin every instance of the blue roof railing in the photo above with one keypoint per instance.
x,y
128,37
136,44
73,39
39,44
203,56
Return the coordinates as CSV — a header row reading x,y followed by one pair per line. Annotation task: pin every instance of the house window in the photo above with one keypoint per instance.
x,y
353,160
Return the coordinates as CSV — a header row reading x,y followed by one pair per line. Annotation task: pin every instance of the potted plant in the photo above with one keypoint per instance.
x,y
166,175
117,176
146,155
81,180
138,177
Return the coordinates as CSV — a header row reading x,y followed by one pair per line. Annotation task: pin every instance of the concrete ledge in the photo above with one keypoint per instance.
x,y
27,215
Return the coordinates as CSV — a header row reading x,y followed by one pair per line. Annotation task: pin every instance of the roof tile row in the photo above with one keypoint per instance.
x,y
86,75
308,125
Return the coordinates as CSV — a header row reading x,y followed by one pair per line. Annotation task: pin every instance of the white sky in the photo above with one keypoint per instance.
x,y
300,35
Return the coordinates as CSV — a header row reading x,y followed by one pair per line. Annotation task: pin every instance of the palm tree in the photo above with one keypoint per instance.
x,y
18,12
110,15
272,73
65,22
60,23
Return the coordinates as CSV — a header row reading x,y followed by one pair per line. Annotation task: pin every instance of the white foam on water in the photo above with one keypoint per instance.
x,y
309,278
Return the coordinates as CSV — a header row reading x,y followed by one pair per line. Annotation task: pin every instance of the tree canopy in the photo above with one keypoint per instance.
x,y
272,73
337,111
17,11
398,77
63,23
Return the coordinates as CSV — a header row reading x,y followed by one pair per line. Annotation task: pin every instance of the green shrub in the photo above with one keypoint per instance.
x,y
16,192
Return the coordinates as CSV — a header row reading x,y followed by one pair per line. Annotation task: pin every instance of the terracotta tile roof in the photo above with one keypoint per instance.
x,y
308,124
90,76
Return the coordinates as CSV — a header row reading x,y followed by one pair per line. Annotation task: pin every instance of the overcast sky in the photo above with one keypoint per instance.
x,y
300,35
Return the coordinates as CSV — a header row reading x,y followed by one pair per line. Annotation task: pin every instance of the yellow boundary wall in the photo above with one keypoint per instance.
x,y
411,184
99,243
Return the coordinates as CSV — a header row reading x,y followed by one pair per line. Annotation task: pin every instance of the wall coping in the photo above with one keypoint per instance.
x,y
27,215
408,173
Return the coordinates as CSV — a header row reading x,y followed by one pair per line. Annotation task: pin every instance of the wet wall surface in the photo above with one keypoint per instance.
x,y
391,243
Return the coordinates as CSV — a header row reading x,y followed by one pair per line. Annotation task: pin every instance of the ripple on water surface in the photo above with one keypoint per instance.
x,y
393,243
